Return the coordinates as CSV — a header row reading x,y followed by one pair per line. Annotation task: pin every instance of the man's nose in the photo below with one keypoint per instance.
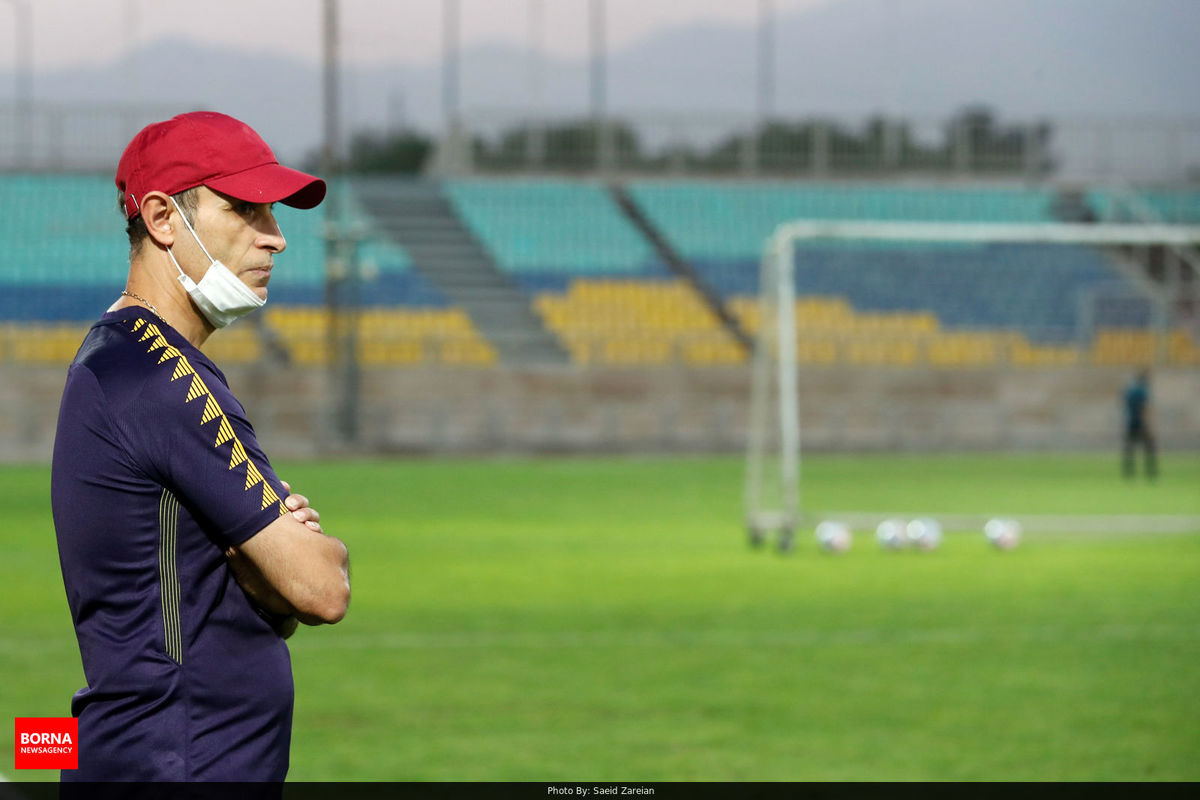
x,y
270,236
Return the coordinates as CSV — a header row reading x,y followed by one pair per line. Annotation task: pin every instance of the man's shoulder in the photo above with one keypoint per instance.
x,y
131,352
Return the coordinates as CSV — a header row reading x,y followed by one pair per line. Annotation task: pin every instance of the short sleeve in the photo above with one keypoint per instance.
x,y
191,434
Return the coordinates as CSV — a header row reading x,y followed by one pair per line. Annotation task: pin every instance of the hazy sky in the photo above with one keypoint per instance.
x,y
69,32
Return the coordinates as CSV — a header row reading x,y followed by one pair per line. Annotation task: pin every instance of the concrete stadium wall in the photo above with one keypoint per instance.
x,y
440,410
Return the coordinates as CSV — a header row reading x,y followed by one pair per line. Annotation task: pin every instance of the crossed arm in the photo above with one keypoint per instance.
x,y
292,571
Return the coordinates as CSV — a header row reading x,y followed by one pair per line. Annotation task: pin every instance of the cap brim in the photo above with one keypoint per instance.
x,y
272,183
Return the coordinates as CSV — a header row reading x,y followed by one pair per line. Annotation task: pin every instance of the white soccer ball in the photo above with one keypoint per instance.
x,y
833,536
892,534
925,533
1004,534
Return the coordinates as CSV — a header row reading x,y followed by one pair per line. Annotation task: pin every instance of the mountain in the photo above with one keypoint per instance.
x,y
917,58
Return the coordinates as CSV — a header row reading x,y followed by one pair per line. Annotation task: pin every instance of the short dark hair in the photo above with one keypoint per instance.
x,y
135,228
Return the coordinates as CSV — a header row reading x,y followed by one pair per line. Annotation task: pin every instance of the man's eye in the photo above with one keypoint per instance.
x,y
247,209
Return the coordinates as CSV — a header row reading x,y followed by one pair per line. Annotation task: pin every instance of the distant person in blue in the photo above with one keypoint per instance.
x,y
1136,402
186,561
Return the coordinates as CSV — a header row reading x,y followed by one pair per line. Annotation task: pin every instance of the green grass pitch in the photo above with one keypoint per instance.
x,y
604,619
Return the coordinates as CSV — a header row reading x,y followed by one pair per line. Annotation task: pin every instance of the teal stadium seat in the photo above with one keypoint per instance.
x,y
713,221
305,255
721,228
564,228
58,266
386,267
1174,206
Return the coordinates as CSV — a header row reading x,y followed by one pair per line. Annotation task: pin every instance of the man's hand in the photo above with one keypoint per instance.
x,y
292,567
301,510
271,605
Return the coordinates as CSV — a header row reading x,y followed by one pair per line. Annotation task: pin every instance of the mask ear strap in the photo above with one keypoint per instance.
x,y
182,274
191,231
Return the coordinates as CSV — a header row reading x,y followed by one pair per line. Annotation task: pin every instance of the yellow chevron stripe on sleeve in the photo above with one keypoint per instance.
x,y
269,497
238,455
253,476
198,389
212,410
182,368
169,352
225,432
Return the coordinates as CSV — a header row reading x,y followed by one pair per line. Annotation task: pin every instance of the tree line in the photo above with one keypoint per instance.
x,y
974,140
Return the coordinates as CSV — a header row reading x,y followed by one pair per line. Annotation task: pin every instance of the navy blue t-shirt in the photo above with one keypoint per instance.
x,y
156,473
1136,396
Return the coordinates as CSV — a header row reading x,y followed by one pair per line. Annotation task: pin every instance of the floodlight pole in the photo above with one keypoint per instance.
x,y
341,263
599,89
765,84
535,142
332,133
450,25
131,45
455,147
23,79
766,60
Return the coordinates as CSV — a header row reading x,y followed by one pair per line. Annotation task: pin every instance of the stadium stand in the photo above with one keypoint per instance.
x,y
951,305
636,322
58,266
591,276
596,283
548,227
1175,206
59,272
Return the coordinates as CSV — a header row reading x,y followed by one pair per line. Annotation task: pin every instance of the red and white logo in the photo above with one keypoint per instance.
x,y
46,743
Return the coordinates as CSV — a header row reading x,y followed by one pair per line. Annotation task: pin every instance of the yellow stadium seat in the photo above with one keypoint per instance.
x,y
966,349
1125,347
1182,349
1024,354
816,352
635,322
386,336
881,352
42,344
239,344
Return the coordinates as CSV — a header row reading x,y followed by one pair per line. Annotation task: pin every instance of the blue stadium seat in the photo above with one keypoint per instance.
x,y
721,228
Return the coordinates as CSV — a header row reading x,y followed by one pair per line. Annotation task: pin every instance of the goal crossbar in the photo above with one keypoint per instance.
x,y
774,381
987,232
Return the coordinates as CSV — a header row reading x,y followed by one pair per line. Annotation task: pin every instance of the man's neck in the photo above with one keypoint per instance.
x,y
150,278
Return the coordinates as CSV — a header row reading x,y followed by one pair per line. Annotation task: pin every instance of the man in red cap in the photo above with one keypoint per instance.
x,y
186,561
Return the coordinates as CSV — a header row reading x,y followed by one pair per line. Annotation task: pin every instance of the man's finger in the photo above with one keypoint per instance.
x,y
306,514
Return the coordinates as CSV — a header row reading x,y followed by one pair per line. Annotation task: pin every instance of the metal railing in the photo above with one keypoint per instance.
x,y
74,138
47,137
499,141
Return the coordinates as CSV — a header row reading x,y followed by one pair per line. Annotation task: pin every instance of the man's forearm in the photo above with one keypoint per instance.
x,y
261,593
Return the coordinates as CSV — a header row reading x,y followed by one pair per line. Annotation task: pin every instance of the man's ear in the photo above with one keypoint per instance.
x,y
156,213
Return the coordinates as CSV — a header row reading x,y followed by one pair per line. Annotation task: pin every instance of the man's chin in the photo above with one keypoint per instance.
x,y
259,288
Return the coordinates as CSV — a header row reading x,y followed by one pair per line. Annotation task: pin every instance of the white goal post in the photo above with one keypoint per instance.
x,y
772,480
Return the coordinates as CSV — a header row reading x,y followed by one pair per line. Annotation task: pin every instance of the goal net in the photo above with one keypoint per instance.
x,y
938,294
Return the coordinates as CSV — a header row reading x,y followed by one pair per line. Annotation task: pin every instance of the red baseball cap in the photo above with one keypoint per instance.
x,y
213,150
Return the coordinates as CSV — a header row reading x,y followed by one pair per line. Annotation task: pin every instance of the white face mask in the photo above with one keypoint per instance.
x,y
220,295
